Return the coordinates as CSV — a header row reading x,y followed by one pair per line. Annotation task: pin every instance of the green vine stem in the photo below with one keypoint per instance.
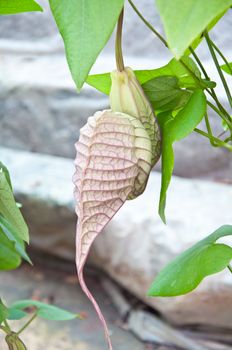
x,y
118,43
216,141
214,57
229,268
228,122
147,23
5,329
27,324
208,127
222,56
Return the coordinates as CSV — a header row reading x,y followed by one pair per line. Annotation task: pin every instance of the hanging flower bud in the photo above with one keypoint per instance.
x,y
115,153
127,96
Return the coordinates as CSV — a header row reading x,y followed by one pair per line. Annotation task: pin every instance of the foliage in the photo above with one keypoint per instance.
x,y
8,7
185,272
85,28
182,28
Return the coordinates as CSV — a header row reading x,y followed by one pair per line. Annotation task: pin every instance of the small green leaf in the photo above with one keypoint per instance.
x,y
86,27
165,94
9,209
44,310
9,258
184,21
7,174
16,314
182,71
13,236
227,68
3,312
185,273
8,7
174,130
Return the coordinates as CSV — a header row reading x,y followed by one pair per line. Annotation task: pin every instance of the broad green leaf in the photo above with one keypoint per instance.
x,y
12,235
227,68
174,130
43,310
7,174
183,71
185,272
165,94
4,312
86,27
9,209
8,7
9,258
184,21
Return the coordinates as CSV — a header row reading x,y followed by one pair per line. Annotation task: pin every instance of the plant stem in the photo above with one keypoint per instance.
x,y
147,23
118,43
214,139
222,56
27,324
228,122
7,325
214,57
229,268
5,329
199,63
208,127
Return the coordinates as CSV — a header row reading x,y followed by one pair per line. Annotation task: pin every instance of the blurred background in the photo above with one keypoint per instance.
x,y
40,117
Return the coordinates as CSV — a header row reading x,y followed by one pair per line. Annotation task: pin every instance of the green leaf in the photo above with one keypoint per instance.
x,y
43,310
9,209
7,174
176,129
16,314
8,7
184,21
165,94
182,71
185,272
86,27
12,235
227,68
9,258
3,312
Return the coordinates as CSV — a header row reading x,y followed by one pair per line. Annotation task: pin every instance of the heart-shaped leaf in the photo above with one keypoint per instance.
x,y
176,129
8,7
86,27
185,273
165,94
184,21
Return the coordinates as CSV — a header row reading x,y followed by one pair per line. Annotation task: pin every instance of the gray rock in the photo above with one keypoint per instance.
x,y
151,329
136,244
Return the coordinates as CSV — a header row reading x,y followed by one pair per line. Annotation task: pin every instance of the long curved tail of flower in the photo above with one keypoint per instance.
x,y
96,306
